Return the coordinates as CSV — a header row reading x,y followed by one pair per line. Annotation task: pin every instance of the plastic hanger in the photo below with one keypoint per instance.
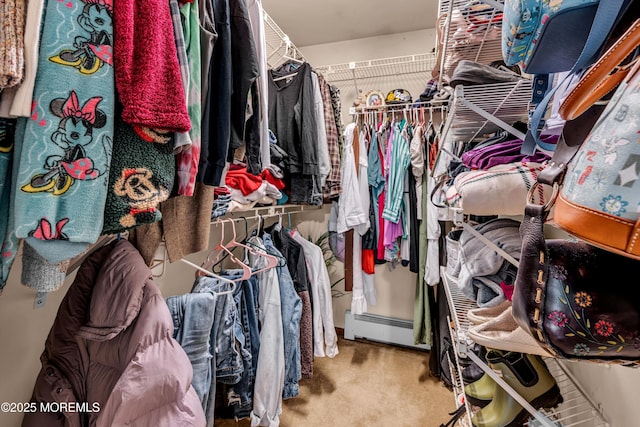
x,y
223,250
215,276
272,261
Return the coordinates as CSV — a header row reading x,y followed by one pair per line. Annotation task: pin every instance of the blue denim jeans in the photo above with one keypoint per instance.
x,y
192,322
291,306
241,394
225,344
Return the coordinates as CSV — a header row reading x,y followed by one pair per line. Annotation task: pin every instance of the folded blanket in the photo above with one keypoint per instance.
x,y
503,153
64,167
141,177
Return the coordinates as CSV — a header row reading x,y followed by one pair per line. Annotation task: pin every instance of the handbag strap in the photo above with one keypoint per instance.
x,y
604,20
603,76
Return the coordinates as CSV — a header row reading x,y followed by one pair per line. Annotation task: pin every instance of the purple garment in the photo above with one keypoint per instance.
x,y
392,230
503,153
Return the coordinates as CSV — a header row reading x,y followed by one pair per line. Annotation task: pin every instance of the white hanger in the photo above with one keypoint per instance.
x,y
215,276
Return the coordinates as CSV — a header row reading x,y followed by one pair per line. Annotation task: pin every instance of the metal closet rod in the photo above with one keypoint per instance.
x,y
403,107
271,211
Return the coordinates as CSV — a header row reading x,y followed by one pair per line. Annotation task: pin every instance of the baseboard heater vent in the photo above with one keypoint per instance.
x,y
383,329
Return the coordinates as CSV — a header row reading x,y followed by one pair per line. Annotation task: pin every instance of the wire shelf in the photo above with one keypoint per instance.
x,y
506,102
577,408
421,63
280,48
472,31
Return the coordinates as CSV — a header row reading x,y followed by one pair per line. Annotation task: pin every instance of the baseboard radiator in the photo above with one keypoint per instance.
x,y
383,329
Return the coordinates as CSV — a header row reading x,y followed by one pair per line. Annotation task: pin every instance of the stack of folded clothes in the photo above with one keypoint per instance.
x,y
247,190
483,274
222,198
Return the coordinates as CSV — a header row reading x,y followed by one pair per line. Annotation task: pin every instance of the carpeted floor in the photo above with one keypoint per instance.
x,y
367,384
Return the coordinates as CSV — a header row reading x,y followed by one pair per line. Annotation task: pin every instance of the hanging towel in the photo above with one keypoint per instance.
x,y
147,70
64,166
141,177
12,16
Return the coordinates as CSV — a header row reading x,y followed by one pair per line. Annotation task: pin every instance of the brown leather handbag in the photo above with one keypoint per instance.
x,y
576,300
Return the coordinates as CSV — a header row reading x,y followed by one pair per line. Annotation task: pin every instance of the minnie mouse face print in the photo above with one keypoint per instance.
x,y
74,134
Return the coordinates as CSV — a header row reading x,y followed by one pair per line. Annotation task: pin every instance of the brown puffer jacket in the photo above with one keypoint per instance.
x,y
111,350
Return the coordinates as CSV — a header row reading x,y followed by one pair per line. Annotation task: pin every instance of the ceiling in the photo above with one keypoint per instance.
x,y
309,22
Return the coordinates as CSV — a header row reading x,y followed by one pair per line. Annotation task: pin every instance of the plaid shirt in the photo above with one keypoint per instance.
x,y
332,186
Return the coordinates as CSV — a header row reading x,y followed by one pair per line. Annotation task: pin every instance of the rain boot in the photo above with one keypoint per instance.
x,y
529,377
481,392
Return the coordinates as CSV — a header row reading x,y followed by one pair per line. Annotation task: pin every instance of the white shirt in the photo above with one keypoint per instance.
x,y
350,211
324,331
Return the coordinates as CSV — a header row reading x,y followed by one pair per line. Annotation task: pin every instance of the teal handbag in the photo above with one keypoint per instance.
x,y
600,199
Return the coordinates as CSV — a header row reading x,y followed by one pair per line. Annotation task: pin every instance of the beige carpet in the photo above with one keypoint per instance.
x,y
367,384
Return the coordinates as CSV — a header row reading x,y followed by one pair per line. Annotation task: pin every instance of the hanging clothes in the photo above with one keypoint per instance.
x,y
332,185
256,14
149,85
297,266
324,163
351,214
216,119
270,369
62,180
245,70
17,101
291,305
189,158
292,119
324,332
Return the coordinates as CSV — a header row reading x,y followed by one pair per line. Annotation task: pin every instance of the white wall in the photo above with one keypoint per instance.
x,y
394,45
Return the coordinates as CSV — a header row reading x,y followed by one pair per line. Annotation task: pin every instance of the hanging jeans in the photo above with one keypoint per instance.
x,y
240,395
192,322
226,339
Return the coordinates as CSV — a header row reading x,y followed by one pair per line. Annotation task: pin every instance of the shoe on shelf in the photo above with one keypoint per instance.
x,y
452,247
529,377
469,73
481,392
503,333
472,372
484,314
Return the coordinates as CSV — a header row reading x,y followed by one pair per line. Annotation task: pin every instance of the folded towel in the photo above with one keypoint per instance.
x,y
141,177
63,170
